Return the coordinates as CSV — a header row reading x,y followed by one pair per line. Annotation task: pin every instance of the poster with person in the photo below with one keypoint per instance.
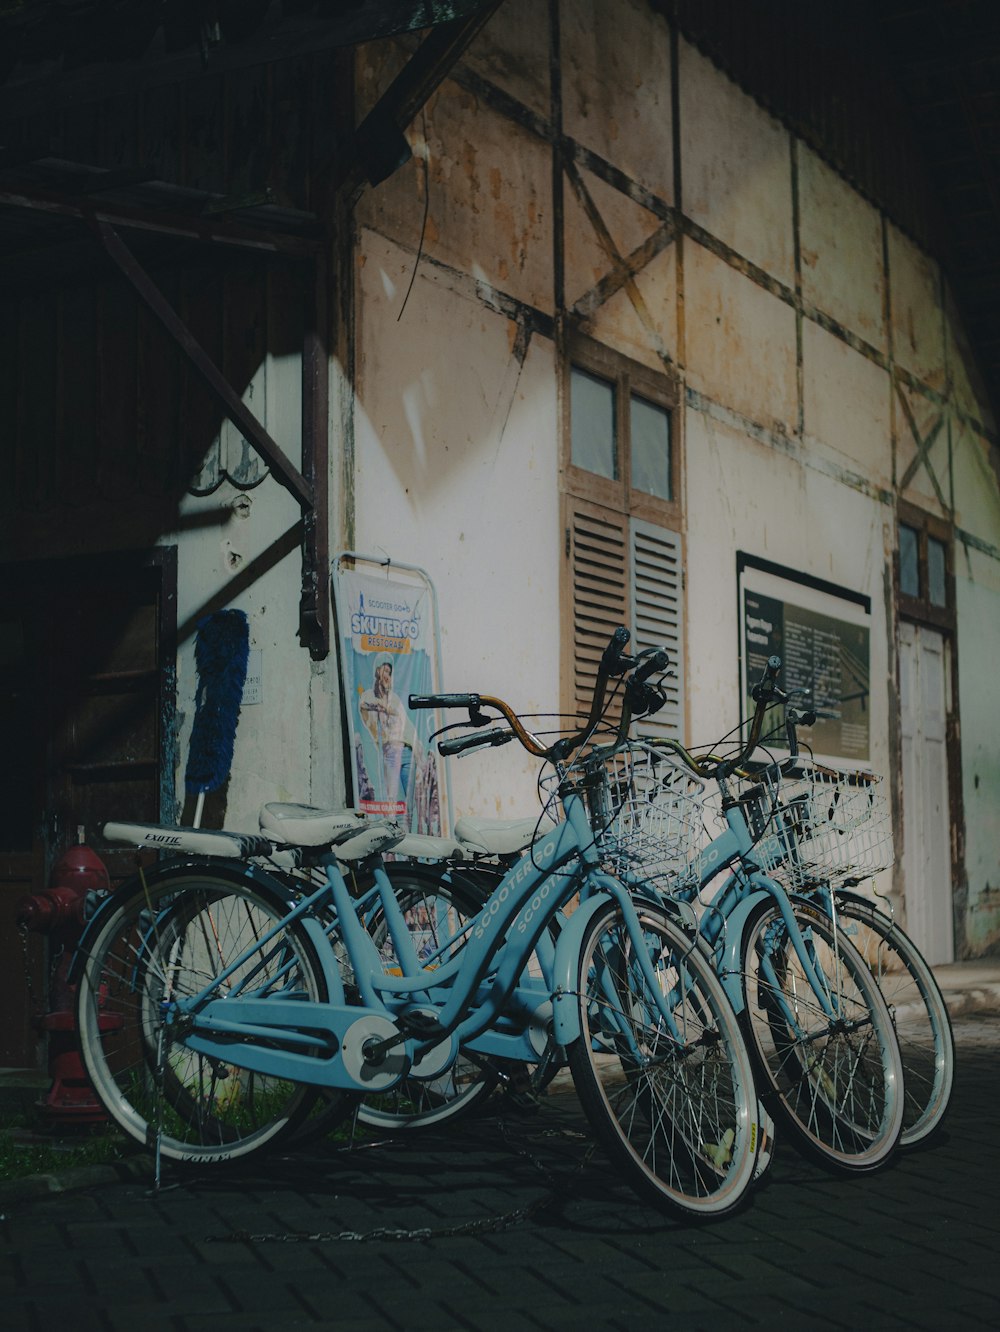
x,y
388,639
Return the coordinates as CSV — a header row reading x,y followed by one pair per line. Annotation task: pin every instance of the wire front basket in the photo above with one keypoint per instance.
x,y
821,826
646,812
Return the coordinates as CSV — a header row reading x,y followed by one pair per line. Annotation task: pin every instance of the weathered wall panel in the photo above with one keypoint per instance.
x,y
977,588
616,87
977,500
915,306
840,240
640,320
456,472
846,406
485,183
740,347
735,168
513,53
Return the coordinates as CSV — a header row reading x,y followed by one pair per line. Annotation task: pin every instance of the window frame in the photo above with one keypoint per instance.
x,y
588,498
920,608
628,378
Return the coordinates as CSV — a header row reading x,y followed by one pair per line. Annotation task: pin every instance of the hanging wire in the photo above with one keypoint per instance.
x,y
423,225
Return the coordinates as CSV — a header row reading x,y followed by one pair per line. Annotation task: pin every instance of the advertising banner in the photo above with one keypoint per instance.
x,y
388,647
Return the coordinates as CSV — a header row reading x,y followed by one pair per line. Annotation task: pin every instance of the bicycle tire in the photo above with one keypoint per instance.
x,y
918,1011
676,1112
175,931
837,1084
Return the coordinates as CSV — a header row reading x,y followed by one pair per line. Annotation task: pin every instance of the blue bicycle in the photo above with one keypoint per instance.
x,y
213,1000
823,1041
825,1049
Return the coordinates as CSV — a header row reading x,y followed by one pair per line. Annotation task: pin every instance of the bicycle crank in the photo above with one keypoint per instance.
x,y
373,1054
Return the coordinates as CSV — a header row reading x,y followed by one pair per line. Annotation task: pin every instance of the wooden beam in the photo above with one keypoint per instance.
x,y
232,404
409,91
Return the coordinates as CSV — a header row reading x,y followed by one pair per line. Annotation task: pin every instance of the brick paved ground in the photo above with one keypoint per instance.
x,y
915,1247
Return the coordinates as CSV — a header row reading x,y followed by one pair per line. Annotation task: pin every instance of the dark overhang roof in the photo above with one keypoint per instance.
x,y
901,96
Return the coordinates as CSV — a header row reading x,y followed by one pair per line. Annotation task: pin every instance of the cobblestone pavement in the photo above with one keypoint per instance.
x,y
513,1223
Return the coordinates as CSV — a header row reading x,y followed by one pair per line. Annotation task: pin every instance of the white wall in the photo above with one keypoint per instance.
x,y
814,344
239,549
456,474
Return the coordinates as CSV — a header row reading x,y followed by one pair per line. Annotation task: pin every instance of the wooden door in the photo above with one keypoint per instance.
x,y
926,818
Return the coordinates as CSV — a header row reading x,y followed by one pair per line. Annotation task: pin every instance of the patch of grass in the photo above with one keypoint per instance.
x,y
25,1151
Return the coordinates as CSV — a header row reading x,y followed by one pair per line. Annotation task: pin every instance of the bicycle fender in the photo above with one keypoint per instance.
x,y
320,940
732,962
219,867
565,979
841,894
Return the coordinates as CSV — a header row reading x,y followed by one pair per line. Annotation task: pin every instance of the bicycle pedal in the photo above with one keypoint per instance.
x,y
519,1090
424,1026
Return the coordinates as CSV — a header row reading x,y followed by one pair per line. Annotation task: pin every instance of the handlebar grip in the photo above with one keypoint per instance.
x,y
443,700
656,661
611,662
491,738
763,687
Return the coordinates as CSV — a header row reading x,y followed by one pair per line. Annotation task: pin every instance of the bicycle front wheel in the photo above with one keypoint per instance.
x,y
836,1077
663,1074
169,938
918,1011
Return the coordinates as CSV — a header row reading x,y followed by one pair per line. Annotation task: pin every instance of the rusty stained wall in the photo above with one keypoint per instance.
x,y
650,201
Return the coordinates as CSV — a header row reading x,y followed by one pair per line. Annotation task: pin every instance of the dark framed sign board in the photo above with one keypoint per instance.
x,y
822,633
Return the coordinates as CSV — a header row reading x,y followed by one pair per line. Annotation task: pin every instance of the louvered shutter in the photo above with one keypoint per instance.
x,y
598,552
656,615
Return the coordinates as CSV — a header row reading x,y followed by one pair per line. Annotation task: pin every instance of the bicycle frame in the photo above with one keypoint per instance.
x,y
307,1041
727,911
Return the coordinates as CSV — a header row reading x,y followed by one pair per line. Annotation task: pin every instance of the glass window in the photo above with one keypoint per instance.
x,y
592,424
937,589
650,448
909,561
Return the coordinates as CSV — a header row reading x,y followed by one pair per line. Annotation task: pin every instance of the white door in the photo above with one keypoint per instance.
x,y
926,819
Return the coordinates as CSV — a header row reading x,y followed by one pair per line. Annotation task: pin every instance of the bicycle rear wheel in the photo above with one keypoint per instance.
x,y
168,938
836,1081
918,1011
664,1076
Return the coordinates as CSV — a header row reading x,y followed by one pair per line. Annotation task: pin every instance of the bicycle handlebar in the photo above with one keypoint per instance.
x,y
443,701
765,692
640,699
614,662
462,743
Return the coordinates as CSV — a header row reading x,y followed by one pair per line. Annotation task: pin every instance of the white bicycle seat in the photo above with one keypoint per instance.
x,y
347,832
197,841
497,837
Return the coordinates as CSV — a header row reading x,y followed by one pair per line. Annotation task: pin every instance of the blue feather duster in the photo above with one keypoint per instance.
x,y
221,652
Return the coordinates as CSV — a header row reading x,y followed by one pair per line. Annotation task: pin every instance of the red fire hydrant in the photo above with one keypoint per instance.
x,y
78,880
